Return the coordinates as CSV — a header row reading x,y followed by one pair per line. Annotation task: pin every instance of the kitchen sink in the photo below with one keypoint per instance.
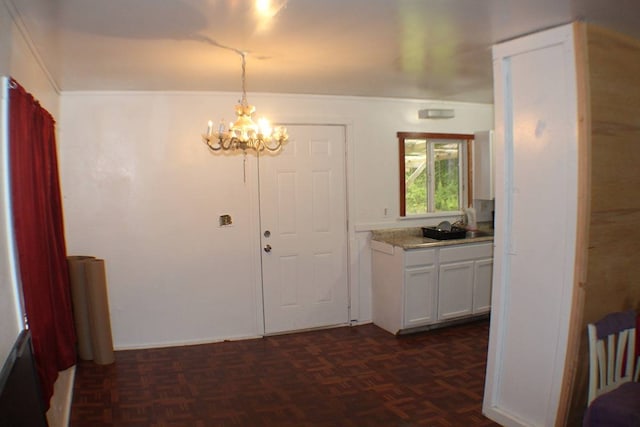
x,y
454,233
441,234
477,233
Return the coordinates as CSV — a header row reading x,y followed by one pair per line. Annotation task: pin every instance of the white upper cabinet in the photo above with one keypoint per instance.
x,y
483,173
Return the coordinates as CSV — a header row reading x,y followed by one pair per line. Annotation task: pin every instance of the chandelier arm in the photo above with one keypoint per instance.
x,y
212,147
230,143
274,149
258,143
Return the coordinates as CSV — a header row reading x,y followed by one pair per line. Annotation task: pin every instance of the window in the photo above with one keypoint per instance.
x,y
434,174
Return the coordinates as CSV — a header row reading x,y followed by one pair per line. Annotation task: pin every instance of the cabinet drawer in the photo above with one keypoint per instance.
x,y
464,252
419,257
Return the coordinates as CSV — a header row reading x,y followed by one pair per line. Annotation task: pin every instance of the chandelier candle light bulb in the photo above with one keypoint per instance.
x,y
265,127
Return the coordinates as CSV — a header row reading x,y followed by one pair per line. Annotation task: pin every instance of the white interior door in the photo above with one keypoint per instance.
x,y
303,215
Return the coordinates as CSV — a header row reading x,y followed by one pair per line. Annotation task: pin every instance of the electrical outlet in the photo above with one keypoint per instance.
x,y
225,220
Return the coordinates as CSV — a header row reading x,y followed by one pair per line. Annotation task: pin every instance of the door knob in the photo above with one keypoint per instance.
x,y
267,248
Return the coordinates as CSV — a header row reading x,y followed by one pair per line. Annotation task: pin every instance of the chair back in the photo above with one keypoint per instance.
x,y
611,352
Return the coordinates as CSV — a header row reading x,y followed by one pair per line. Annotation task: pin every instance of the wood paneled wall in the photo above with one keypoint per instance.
x,y
610,64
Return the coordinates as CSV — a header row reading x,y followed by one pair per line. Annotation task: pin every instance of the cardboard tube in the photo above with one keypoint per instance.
x,y
99,318
80,307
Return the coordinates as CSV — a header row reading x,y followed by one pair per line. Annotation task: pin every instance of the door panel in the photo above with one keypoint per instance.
x,y
303,208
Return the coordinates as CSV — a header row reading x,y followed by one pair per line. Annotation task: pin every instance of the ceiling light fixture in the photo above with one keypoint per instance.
x,y
244,133
437,113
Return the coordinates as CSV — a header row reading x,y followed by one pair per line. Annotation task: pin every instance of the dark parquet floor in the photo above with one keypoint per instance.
x,y
353,377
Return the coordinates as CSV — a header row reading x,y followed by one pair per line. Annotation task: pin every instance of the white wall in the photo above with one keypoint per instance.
x,y
141,191
9,325
5,37
27,69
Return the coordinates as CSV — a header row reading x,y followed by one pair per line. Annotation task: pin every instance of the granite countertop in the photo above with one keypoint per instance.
x,y
411,238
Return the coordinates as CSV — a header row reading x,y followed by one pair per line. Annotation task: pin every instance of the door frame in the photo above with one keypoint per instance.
x,y
253,177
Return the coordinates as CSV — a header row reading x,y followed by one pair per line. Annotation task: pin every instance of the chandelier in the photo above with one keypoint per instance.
x,y
244,133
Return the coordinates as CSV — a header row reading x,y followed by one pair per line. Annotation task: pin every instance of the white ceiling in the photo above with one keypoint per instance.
x,y
425,49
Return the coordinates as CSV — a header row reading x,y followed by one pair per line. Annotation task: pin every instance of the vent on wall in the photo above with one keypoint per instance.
x,y
436,113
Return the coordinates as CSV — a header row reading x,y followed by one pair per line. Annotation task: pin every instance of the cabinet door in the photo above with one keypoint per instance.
x,y
419,296
482,276
455,293
483,166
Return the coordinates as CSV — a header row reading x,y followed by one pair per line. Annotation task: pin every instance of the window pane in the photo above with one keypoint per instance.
x,y
415,167
433,172
447,176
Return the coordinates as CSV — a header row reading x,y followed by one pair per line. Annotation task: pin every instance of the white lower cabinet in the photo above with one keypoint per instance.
x,y
419,287
420,292
482,278
455,290
464,283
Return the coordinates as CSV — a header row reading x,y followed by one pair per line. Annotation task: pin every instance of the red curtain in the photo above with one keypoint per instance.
x,y
39,233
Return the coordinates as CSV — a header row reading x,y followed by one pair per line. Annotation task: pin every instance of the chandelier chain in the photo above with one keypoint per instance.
x,y
244,78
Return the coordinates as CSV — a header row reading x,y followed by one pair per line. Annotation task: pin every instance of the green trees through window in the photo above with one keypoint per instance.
x,y
434,171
